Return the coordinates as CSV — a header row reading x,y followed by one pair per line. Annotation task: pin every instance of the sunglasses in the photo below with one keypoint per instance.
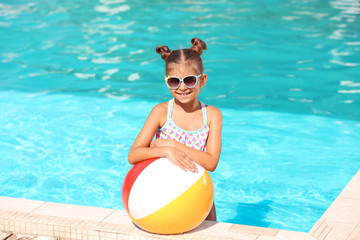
x,y
189,81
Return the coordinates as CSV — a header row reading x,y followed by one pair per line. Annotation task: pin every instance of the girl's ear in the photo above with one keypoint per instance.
x,y
203,80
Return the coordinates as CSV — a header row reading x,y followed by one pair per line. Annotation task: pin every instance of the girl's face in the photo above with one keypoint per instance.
x,y
184,94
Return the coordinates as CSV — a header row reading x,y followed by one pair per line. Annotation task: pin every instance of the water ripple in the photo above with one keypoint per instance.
x,y
112,10
12,11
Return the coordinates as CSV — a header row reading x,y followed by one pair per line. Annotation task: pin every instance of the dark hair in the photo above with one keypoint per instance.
x,y
190,55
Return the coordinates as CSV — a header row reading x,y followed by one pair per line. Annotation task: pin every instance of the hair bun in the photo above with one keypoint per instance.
x,y
198,45
164,51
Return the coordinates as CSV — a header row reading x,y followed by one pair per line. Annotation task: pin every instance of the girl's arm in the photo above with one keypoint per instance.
x,y
141,149
210,158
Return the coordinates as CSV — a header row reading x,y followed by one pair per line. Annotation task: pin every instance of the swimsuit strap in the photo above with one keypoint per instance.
x,y
170,108
203,109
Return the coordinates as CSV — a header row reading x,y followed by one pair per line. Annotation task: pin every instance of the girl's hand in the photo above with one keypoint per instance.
x,y
163,143
180,159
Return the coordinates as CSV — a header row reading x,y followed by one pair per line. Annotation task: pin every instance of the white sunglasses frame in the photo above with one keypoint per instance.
x,y
182,80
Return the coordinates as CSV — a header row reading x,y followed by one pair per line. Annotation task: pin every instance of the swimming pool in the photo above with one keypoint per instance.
x,y
78,80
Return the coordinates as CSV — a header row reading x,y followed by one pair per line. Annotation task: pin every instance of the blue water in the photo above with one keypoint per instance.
x,y
78,79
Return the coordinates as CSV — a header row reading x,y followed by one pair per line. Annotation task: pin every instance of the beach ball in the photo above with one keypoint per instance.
x,y
161,198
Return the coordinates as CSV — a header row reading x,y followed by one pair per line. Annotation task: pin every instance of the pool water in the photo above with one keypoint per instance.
x,y
78,79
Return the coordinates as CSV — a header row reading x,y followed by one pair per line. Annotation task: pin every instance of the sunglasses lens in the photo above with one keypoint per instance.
x,y
190,81
173,82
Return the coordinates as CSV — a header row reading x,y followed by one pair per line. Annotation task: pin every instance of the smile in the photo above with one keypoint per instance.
x,y
183,94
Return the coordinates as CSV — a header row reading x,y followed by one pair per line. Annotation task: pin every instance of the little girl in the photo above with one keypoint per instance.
x,y
186,130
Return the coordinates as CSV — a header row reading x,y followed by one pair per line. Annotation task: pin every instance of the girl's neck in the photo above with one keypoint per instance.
x,y
188,107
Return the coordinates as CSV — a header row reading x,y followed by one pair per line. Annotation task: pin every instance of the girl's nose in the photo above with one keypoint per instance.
x,y
182,86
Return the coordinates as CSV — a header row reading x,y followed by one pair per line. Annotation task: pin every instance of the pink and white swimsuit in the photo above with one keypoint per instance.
x,y
194,139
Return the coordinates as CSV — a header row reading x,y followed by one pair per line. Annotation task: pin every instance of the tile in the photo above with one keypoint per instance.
x,y
344,210
254,230
226,235
265,238
11,237
72,211
355,234
19,205
5,214
3,235
211,226
218,230
352,190
340,231
118,217
110,227
324,230
286,235
340,221
44,238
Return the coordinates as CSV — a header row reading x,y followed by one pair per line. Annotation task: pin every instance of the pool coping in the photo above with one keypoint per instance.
x,y
65,221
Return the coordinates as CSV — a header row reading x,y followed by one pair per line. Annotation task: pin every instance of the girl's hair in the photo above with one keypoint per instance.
x,y
189,56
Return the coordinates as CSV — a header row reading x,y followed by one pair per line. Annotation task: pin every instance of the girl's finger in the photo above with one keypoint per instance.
x,y
189,164
180,165
192,166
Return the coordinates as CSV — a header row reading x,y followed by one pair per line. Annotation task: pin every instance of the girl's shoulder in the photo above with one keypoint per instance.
x,y
161,108
159,112
213,113
213,110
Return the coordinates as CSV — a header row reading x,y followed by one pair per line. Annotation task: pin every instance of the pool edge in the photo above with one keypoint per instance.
x,y
342,218
66,221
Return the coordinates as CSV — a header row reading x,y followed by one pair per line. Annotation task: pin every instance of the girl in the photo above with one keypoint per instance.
x,y
186,129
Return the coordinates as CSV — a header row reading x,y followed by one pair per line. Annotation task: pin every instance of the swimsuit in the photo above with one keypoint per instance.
x,y
194,139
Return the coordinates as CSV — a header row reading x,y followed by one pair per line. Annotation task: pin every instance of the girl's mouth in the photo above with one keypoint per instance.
x,y
183,94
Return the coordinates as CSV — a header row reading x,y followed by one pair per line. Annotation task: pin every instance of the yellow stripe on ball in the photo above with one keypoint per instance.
x,y
185,212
